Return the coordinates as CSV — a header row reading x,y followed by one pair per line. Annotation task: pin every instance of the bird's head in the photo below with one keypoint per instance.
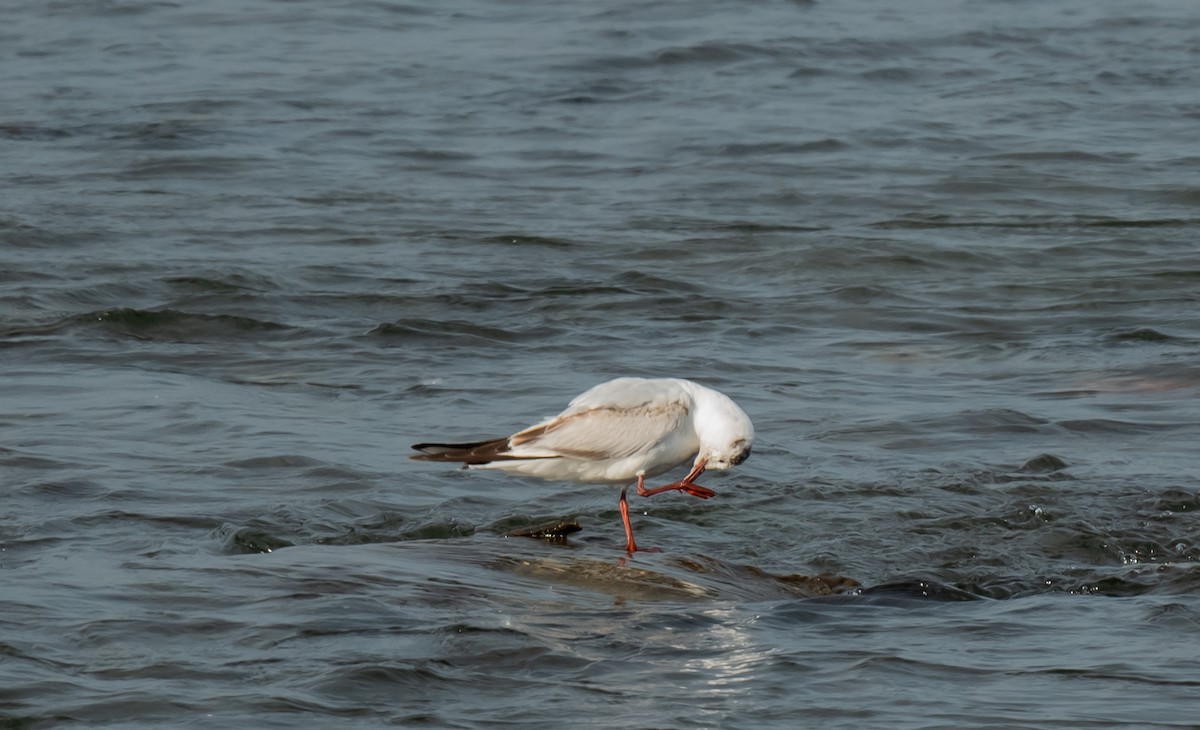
x,y
726,432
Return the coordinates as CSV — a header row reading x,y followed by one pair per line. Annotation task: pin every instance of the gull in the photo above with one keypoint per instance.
x,y
617,432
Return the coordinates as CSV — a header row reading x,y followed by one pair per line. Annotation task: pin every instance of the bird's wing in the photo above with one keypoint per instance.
x,y
628,393
603,432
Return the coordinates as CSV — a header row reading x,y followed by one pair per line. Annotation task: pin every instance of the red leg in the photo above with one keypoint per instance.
x,y
630,545
683,485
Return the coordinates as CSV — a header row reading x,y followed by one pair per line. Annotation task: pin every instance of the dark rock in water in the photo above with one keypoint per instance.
x,y
548,531
1043,464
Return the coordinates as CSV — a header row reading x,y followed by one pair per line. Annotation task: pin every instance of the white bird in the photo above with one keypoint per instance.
x,y
625,429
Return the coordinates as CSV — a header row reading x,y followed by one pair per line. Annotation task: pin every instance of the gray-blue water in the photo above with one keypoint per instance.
x,y
946,254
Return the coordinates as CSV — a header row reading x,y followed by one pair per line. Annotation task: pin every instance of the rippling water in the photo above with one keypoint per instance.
x,y
945,255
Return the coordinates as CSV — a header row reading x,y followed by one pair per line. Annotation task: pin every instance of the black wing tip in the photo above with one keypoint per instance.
x,y
426,447
428,452
476,452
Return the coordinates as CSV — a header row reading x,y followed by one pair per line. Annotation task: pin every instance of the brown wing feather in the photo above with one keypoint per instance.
x,y
603,432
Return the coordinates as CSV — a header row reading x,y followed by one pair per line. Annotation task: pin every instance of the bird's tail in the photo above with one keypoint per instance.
x,y
477,452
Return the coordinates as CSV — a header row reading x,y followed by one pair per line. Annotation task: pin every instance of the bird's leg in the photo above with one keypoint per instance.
x,y
684,485
630,545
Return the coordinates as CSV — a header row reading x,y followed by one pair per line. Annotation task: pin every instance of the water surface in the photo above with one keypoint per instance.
x,y
943,254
